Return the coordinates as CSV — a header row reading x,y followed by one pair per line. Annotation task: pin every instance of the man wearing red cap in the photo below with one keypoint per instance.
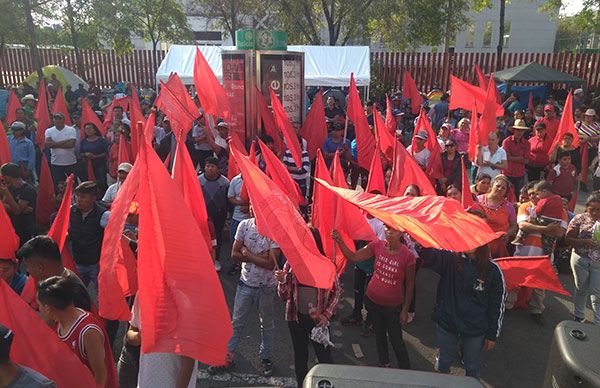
x,y
551,120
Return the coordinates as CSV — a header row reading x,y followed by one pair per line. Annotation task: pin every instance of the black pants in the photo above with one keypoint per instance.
x,y
411,307
518,183
128,365
386,322
60,173
361,279
300,332
534,173
219,223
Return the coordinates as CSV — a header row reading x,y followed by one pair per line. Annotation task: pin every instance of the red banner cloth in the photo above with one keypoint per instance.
x,y
212,97
42,116
532,272
11,107
314,129
285,126
406,171
365,142
410,91
566,125
280,175
60,106
45,198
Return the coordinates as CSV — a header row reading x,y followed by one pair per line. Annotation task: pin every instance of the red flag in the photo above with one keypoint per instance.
x,y
232,168
566,125
124,155
10,240
252,152
530,105
462,94
60,106
487,123
60,226
383,136
285,126
530,271
135,114
42,116
474,133
278,219
390,121
365,141
177,87
269,123
5,156
89,116
117,272
376,178
348,217
433,221
434,165
185,177
410,91
11,107
45,198
173,103
90,171
406,171
123,102
149,128
467,196
51,357
171,275
481,78
314,129
280,175
212,97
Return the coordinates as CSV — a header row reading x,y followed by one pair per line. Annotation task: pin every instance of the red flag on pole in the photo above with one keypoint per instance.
x,y
173,103
122,102
60,106
406,171
269,123
566,125
212,97
376,178
410,91
124,154
530,271
285,126
383,136
474,135
530,105
11,107
42,116
487,123
390,121
433,221
10,240
89,116
481,78
314,129
280,175
462,94
252,152
278,219
4,147
60,226
177,88
171,275
467,197
51,356
149,128
117,277
434,164
136,115
185,177
45,199
365,141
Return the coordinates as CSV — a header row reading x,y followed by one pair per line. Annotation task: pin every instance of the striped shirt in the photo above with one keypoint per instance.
x,y
288,160
532,242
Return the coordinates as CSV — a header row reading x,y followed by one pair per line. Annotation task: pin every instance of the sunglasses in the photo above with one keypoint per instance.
x,y
450,145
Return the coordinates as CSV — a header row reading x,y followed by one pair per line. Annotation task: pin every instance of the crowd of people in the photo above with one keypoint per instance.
x,y
521,185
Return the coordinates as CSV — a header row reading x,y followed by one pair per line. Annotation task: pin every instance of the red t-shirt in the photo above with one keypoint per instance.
x,y
386,287
550,207
539,150
513,148
563,183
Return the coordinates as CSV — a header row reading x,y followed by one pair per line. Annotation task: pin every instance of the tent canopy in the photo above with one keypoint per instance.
x,y
534,72
323,65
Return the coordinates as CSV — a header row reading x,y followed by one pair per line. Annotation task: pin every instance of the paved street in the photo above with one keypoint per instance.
x,y
519,359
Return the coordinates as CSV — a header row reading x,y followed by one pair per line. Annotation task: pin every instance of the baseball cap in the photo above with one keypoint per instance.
x,y
397,112
548,107
447,126
58,115
18,125
421,135
578,91
125,167
223,124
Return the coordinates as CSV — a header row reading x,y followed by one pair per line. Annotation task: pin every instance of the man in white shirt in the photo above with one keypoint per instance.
x,y
111,192
61,139
420,153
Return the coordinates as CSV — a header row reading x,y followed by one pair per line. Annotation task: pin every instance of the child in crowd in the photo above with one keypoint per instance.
x,y
563,176
549,209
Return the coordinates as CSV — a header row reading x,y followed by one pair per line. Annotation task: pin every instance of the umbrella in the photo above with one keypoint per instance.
x,y
65,76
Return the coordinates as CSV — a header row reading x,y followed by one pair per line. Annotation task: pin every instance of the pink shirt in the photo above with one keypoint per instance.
x,y
462,140
386,287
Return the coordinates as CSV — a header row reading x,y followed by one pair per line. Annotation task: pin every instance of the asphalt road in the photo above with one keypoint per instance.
x,y
519,359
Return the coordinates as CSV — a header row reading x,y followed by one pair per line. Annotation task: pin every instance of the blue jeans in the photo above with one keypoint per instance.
x,y
233,225
471,351
245,298
88,273
586,273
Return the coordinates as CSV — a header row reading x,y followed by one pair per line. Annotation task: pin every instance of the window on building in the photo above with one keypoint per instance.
x,y
506,37
208,36
487,34
469,42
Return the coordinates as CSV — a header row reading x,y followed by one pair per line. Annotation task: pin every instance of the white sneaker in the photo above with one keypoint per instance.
x,y
218,266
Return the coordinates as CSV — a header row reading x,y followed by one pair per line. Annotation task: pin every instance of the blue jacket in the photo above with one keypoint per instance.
x,y
466,304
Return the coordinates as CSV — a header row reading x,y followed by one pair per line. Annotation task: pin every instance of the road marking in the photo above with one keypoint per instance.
x,y
358,353
247,379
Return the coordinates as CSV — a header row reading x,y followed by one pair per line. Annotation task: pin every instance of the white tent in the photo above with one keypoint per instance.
x,y
323,65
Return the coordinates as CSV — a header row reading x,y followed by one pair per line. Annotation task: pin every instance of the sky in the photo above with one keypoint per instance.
x,y
571,7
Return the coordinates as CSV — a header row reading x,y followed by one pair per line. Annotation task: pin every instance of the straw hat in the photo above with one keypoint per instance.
x,y
519,124
590,112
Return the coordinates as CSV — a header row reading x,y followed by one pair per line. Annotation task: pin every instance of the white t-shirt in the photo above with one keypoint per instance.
x,y
158,369
497,158
252,274
422,157
378,227
62,156
111,192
